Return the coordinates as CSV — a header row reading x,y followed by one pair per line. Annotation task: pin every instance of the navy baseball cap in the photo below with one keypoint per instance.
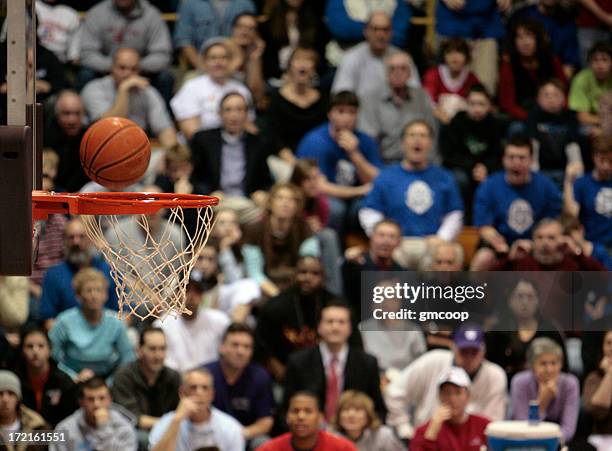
x,y
469,336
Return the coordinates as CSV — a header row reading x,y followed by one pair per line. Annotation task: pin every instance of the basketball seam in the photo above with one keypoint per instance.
x,y
117,162
108,138
82,157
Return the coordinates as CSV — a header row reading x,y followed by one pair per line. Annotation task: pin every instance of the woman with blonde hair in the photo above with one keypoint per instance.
x,y
357,420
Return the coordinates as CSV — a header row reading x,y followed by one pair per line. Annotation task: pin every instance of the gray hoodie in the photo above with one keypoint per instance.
x,y
105,30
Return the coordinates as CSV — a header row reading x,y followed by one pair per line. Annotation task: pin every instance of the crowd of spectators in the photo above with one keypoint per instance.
x,y
338,140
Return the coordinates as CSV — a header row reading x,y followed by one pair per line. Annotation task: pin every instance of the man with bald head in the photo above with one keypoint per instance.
x,y
362,68
125,93
390,107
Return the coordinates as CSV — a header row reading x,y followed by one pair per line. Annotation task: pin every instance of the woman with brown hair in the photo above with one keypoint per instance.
x,y
357,420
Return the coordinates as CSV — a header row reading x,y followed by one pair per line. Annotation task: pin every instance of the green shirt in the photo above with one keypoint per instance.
x,y
586,91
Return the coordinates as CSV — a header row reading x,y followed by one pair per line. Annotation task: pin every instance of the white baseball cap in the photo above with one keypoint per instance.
x,y
456,376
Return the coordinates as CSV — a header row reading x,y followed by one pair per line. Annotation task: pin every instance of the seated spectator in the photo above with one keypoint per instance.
x,y
297,106
246,49
451,427
15,417
554,130
243,389
334,365
596,397
448,83
362,68
357,420
471,146
481,25
593,21
573,228
527,62
58,29
196,106
289,25
200,21
288,322
112,24
125,93
557,393
588,197
412,388
98,424
146,387
63,133
196,423
385,111
347,157
229,160
274,244
193,337
548,251
304,419
89,339
508,203
421,197
386,237
560,26
58,293
521,321
45,388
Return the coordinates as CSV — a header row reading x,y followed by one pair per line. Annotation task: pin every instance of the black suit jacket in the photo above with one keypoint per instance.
x,y
206,148
305,371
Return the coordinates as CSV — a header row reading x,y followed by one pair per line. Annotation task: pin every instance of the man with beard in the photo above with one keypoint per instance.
x,y
63,133
146,387
57,290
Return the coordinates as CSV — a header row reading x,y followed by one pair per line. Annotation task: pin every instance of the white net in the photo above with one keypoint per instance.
x,y
151,256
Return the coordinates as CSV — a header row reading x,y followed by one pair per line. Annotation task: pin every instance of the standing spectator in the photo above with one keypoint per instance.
x,y
421,197
362,68
527,62
333,366
593,21
412,388
304,418
90,340
45,388
590,84
196,423
386,110
127,23
146,387
470,145
125,93
58,293
448,83
479,22
451,427
597,395
200,21
193,338
58,29
196,106
243,389
357,420
98,424
557,393
509,203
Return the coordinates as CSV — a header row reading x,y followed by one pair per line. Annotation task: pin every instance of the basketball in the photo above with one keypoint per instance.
x,y
115,152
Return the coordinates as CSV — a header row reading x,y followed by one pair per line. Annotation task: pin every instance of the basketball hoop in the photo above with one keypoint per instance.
x,y
150,270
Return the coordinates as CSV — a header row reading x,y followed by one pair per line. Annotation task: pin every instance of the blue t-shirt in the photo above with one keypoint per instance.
x,y
332,159
514,210
58,293
249,399
417,200
595,199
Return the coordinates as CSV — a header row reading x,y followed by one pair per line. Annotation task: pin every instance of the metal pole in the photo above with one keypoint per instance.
x,y
16,62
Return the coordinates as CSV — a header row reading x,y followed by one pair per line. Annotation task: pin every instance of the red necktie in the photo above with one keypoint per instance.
x,y
331,392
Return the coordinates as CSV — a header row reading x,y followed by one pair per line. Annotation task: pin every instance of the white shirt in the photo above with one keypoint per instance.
x,y
193,343
327,356
58,27
201,97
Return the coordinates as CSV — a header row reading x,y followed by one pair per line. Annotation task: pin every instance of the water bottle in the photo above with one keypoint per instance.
x,y
534,412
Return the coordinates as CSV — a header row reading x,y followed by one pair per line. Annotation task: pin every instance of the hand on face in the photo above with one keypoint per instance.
x,y
348,141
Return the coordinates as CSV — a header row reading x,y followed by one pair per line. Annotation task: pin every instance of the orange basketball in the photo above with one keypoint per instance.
x,y
115,152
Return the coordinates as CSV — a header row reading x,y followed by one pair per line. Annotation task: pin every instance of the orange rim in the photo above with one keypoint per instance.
x,y
45,203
